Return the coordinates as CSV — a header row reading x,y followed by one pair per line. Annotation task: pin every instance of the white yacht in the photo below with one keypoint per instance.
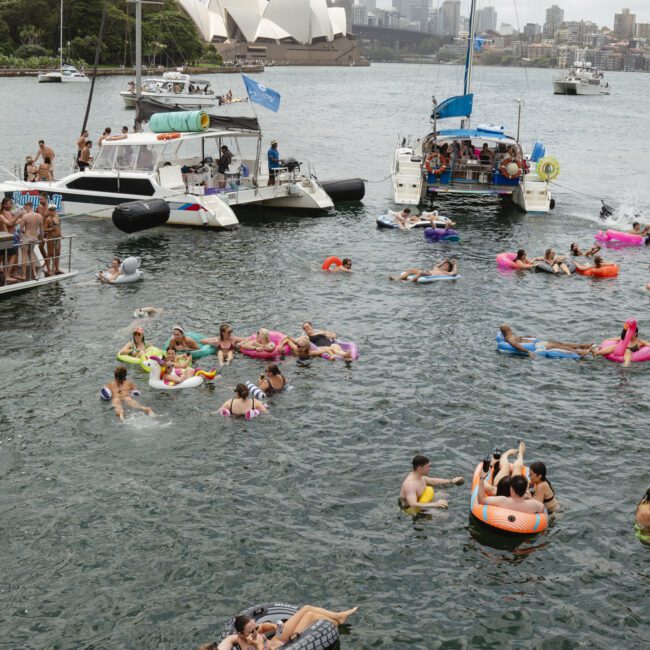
x,y
181,169
581,79
449,161
173,88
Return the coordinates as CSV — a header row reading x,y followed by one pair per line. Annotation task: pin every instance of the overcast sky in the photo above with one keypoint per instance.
x,y
533,11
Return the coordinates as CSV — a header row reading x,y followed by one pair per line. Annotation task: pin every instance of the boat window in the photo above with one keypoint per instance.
x,y
109,184
105,158
147,157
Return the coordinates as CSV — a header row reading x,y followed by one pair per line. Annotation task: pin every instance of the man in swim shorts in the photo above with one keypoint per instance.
x,y
516,501
31,227
446,267
121,390
582,349
416,482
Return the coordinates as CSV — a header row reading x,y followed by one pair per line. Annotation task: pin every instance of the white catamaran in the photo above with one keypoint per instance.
x,y
482,161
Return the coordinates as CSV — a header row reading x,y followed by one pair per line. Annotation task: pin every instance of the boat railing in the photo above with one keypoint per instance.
x,y
45,263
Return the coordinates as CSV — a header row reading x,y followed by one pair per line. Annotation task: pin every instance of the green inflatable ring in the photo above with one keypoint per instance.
x,y
150,351
204,349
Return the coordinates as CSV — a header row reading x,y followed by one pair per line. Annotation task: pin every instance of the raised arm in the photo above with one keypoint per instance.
x,y
438,482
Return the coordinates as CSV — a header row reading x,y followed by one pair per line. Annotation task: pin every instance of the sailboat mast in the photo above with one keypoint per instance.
x,y
138,48
469,61
61,39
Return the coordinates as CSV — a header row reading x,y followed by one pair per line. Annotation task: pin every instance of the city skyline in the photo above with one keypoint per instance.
x,y
533,11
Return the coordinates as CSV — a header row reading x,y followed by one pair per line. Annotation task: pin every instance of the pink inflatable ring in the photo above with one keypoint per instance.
x,y
507,260
619,237
275,338
618,355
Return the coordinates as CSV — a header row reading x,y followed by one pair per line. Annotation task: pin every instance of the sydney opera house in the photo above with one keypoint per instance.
x,y
298,32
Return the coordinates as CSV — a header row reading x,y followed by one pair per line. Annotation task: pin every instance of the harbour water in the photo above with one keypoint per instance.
x,y
150,534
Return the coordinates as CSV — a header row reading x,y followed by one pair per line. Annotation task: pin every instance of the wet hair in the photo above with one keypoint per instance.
x,y
242,620
120,373
241,390
274,369
635,224
574,247
346,261
598,261
539,468
521,253
407,210
518,484
502,327
548,252
107,129
503,487
224,328
420,461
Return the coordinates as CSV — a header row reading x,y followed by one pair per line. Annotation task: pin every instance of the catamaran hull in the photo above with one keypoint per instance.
x,y
575,88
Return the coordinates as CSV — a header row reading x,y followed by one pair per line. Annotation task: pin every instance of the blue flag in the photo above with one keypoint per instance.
x,y
262,95
478,43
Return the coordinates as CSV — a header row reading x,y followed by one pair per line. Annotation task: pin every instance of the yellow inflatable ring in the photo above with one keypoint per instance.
x,y
427,495
548,168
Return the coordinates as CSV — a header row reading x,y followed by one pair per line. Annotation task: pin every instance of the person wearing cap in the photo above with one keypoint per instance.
x,y
135,348
52,236
180,342
274,160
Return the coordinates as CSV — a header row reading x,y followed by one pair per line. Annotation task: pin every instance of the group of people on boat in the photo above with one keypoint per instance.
x,y
34,225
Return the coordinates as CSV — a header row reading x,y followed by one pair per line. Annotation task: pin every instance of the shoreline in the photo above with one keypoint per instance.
x,y
127,72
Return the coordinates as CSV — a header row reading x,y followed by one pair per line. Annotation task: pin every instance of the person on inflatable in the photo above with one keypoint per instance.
x,y
301,347
638,230
517,500
557,263
261,342
446,267
324,341
434,219
250,635
582,349
598,263
541,488
225,343
642,515
404,218
501,468
576,251
137,346
346,266
180,342
521,260
120,392
110,275
272,380
176,367
416,482
243,404
633,346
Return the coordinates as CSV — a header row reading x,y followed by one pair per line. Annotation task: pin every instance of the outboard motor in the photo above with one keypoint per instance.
x,y
606,210
140,215
292,164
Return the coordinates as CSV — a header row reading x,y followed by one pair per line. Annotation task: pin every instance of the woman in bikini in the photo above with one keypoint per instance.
x,y
633,346
521,261
181,343
541,488
272,380
242,404
136,347
301,347
225,343
177,368
251,636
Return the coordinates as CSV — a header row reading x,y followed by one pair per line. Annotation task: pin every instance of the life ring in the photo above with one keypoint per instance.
x,y
548,169
275,338
503,168
332,259
502,519
440,167
168,136
618,355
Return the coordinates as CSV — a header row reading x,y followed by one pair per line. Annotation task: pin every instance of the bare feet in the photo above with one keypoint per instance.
x,y
341,617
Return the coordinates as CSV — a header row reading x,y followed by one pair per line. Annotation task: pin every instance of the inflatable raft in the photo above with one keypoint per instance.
x,y
322,635
204,349
428,279
622,238
536,347
503,520
150,351
604,271
441,234
388,221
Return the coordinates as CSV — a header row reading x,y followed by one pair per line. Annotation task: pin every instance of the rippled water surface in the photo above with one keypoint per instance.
x,y
149,534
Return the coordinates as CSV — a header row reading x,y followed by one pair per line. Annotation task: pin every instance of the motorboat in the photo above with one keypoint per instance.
x,y
471,161
173,88
66,73
582,79
180,168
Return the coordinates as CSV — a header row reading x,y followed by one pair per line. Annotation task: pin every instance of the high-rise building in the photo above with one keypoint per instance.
x,y
506,29
450,17
359,15
624,25
370,5
405,8
486,19
436,26
554,19
642,30
531,30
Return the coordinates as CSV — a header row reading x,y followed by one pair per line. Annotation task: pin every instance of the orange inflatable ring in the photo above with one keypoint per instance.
x,y
331,260
168,136
439,169
604,271
503,168
502,519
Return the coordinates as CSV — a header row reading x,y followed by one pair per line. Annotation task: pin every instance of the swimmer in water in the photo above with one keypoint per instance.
x,y
517,342
541,488
417,480
272,380
346,266
576,251
633,346
225,344
638,230
599,262
250,635
642,515
110,275
121,389
446,267
521,260
243,403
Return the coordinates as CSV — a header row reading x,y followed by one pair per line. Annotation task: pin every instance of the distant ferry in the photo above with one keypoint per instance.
x,y
581,79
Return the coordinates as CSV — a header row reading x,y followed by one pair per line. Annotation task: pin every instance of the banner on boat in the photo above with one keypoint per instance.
x,y
460,106
262,95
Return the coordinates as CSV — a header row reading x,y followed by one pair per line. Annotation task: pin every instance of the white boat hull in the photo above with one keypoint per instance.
x,y
578,88
194,101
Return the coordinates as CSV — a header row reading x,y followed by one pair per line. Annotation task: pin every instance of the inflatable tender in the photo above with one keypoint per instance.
x,y
204,349
131,272
441,234
501,519
150,351
428,279
135,216
622,238
332,260
322,635
155,381
388,221
107,394
536,347
604,271
346,346
344,190
274,337
641,355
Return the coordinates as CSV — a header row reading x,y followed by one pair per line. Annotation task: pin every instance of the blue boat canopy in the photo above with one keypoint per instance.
x,y
460,106
469,134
